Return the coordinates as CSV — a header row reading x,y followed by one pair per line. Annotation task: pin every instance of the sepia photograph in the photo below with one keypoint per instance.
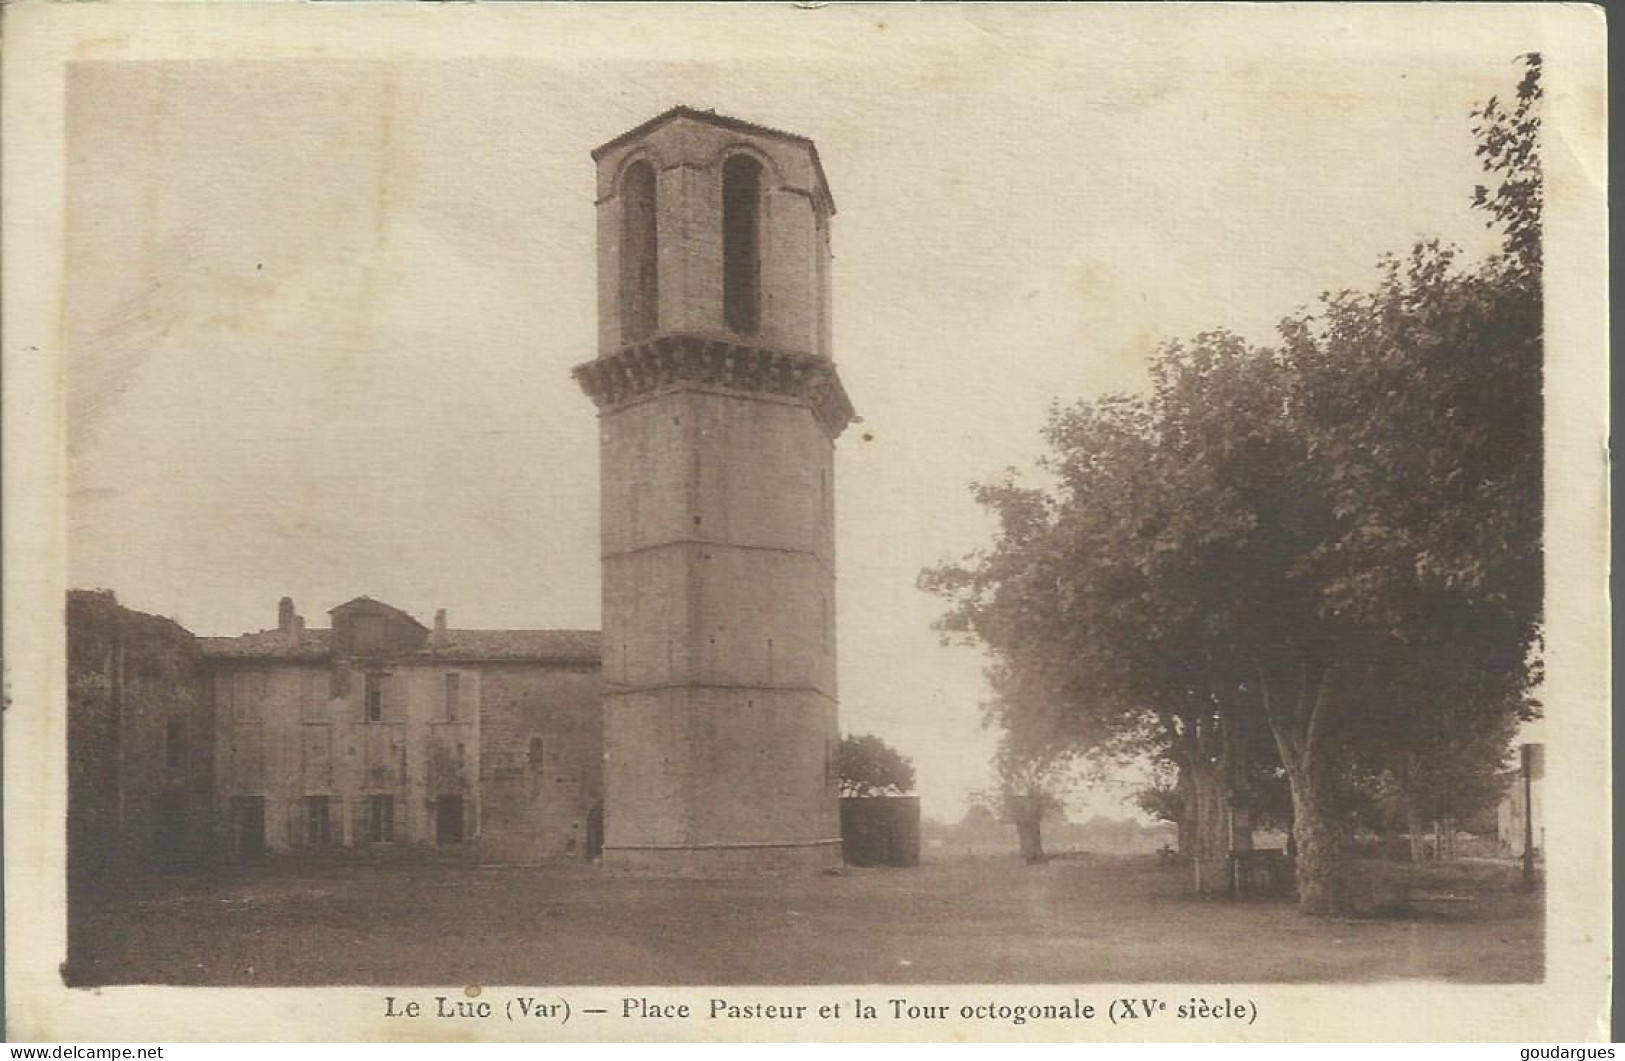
x,y
832,522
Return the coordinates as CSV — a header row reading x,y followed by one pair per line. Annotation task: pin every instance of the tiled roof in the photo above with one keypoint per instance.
x,y
365,603
722,121
267,644
535,646
548,646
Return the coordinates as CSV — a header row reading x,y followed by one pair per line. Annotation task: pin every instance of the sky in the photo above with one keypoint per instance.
x,y
321,313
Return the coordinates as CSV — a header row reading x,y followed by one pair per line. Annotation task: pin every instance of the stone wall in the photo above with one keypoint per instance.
x,y
517,744
719,646
140,744
292,733
541,768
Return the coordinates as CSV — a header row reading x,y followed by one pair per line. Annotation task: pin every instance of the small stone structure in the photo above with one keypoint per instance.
x,y
881,830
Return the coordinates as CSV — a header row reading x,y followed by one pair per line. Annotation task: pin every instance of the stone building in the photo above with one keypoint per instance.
x,y
377,732
719,407
382,731
140,743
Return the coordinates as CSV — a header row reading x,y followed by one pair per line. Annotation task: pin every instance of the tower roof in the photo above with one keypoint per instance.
x,y
721,121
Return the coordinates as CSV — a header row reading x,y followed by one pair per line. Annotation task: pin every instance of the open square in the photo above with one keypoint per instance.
x,y
1090,919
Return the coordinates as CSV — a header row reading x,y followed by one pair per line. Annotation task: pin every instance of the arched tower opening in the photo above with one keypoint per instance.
x,y
640,253
741,244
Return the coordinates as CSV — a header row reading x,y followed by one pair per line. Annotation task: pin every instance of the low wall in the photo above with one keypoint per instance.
x,y
881,830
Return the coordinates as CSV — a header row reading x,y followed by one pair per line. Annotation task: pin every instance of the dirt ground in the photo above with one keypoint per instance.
x,y
989,920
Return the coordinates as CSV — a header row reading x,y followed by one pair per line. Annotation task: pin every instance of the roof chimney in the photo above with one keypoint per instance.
x,y
284,614
439,624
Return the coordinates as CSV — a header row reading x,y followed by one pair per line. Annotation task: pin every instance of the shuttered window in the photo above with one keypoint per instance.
x,y
375,697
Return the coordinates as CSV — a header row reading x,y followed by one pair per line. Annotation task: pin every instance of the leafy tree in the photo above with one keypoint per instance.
x,y
871,767
1030,788
1509,144
1329,548
1161,800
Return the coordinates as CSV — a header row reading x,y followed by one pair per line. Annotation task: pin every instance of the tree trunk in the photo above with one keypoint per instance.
x,y
1319,843
1316,833
1028,833
1407,770
1211,820
1414,825
1187,812
1210,848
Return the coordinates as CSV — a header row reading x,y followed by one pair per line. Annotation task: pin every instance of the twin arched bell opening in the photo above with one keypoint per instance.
x,y
716,229
741,248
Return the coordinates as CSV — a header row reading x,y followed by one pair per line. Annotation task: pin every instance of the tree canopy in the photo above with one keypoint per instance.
x,y
1319,557
871,767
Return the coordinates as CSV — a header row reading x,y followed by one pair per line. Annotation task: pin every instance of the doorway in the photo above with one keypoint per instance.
x,y
318,822
169,832
448,815
247,827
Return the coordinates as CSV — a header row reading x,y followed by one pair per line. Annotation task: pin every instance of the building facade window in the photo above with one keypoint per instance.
x,y
741,243
640,253
175,745
380,819
318,823
375,697
248,825
311,706
537,751
453,695
249,690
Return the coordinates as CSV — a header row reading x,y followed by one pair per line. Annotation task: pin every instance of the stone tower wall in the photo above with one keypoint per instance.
x,y
721,735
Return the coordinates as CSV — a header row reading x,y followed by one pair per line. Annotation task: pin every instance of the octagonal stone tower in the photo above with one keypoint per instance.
x,y
718,408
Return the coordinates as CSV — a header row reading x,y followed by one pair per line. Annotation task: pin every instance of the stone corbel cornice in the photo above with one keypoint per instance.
x,y
669,362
